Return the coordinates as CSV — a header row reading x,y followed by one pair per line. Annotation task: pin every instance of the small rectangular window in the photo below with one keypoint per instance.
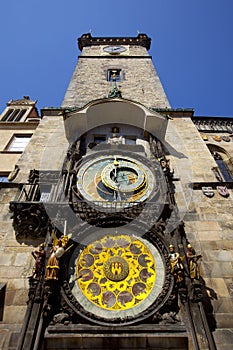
x,y
7,115
114,75
44,197
20,114
45,192
4,178
13,115
2,299
130,140
18,143
99,139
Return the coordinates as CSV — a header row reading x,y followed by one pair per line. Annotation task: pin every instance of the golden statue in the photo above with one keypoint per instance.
x,y
177,267
57,251
194,271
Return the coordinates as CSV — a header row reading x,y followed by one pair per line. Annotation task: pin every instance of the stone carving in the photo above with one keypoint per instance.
x,y
61,318
73,155
166,318
43,176
29,220
223,125
14,173
115,92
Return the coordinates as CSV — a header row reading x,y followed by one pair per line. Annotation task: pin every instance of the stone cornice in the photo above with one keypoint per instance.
x,y
19,125
88,40
214,124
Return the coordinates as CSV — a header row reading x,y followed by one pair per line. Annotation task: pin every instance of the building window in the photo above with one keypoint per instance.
x,y
45,192
14,115
225,172
2,299
130,140
18,143
4,178
114,75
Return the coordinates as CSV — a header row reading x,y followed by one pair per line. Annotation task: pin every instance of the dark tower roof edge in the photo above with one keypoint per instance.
x,y
88,40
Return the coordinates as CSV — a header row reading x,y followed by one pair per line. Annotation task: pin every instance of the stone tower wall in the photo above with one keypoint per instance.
x,y
208,221
140,80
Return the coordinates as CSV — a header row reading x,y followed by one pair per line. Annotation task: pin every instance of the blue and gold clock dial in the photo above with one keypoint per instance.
x,y
119,178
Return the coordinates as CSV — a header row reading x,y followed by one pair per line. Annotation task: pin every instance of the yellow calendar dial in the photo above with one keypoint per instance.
x,y
116,272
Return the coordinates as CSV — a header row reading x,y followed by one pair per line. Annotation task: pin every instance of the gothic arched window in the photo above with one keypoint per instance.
x,y
223,162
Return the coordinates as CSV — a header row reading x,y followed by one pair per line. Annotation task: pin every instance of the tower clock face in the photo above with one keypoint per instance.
x,y
114,50
115,178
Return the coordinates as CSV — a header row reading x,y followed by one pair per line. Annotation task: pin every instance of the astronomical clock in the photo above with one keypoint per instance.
x,y
117,270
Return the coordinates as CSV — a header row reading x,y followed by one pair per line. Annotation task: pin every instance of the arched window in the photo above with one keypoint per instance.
x,y
223,161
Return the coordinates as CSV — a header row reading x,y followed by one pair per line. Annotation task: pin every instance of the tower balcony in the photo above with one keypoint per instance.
x,y
46,199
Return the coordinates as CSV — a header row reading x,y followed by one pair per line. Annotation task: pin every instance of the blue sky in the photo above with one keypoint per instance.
x,y
192,47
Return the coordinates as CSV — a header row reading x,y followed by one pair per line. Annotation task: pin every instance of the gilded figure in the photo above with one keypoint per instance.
x,y
192,258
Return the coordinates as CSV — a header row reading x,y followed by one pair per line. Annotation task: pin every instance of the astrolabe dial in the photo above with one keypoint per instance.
x,y
117,272
115,178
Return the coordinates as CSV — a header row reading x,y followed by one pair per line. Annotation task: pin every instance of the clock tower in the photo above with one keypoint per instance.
x,y
128,59
120,271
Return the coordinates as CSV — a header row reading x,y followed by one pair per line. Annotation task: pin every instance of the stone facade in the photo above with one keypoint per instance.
x,y
140,80
188,146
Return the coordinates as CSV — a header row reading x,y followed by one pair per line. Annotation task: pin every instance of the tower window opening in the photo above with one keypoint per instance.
x,y
7,115
2,299
130,140
4,177
225,172
99,139
13,115
45,193
20,115
114,75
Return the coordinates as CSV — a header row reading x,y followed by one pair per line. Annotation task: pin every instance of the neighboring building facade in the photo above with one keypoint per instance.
x,y
119,234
